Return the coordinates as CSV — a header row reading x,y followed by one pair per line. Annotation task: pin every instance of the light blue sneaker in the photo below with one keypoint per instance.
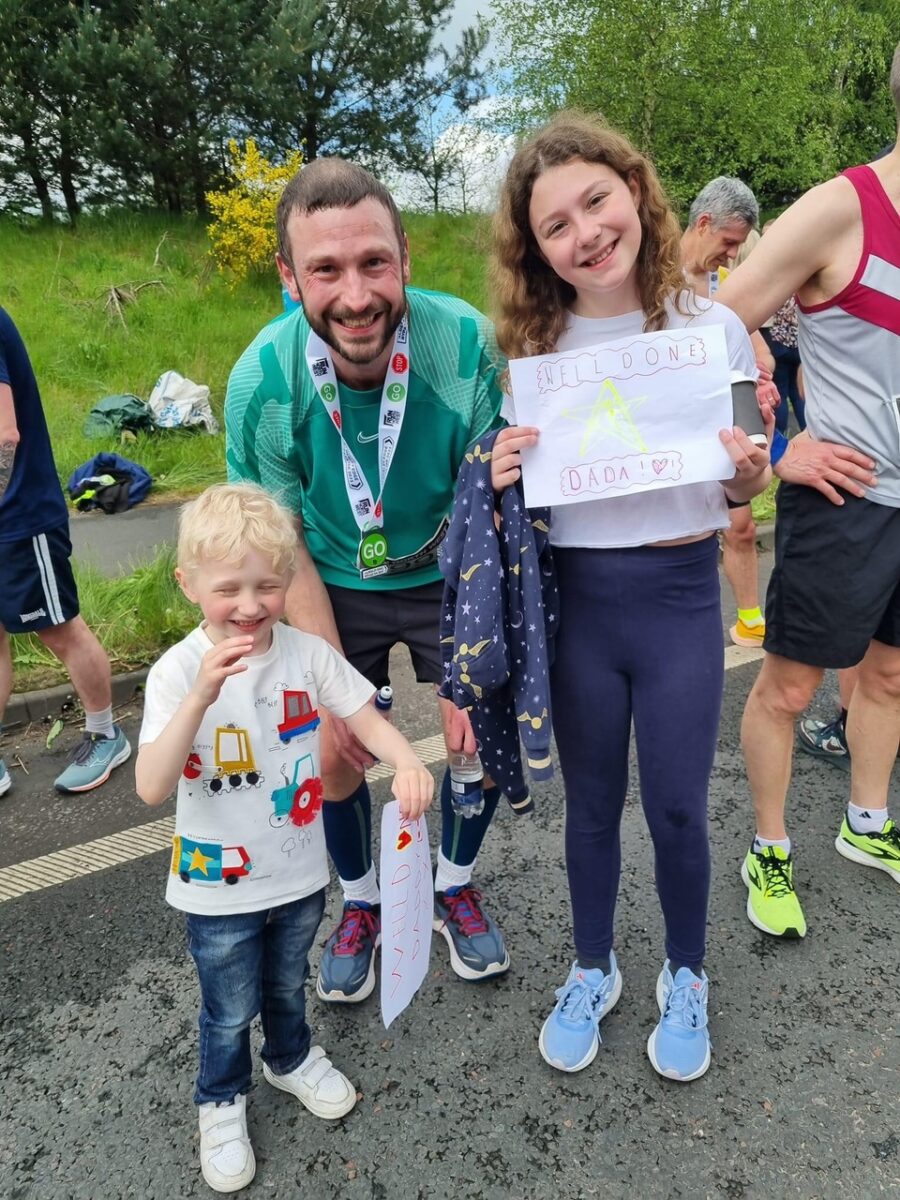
x,y
570,1036
679,1046
5,781
94,760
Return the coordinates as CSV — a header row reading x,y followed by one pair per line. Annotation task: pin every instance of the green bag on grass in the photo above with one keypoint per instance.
x,y
112,414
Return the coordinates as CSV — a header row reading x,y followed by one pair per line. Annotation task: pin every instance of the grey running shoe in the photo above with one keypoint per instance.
x,y
477,949
347,969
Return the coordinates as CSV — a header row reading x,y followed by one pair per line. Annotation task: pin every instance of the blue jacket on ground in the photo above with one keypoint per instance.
x,y
500,612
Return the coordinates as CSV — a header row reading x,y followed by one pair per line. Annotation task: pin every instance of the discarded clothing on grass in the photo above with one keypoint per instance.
x,y
108,482
111,415
498,624
176,403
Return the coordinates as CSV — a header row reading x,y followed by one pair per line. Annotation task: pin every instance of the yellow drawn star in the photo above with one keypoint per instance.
x,y
200,861
610,415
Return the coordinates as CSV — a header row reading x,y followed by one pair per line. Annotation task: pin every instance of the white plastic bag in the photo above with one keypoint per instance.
x,y
176,401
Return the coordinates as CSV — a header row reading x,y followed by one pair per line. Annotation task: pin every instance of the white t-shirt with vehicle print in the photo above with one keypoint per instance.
x,y
248,824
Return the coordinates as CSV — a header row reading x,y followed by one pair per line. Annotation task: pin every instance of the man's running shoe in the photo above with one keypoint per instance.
x,y
772,903
93,761
347,969
477,949
825,739
679,1046
878,850
748,635
570,1036
5,781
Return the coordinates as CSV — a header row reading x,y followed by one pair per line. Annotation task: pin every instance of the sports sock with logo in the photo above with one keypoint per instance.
x,y
866,820
761,843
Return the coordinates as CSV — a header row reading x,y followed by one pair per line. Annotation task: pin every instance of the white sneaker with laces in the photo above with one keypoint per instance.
x,y
317,1084
226,1156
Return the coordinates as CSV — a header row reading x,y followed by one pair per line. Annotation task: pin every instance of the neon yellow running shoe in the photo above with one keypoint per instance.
x,y
772,903
878,850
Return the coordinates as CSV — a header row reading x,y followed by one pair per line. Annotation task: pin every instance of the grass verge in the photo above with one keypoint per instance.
x,y
135,617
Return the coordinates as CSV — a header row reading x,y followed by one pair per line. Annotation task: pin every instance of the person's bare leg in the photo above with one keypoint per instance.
x,y
782,691
739,557
85,660
847,680
873,726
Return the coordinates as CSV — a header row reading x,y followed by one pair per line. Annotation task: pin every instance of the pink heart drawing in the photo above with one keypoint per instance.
x,y
659,465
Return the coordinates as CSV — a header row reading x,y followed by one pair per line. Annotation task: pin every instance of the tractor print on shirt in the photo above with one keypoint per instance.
x,y
300,801
235,765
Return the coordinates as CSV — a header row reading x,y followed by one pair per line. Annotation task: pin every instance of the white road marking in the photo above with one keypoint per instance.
x,y
62,866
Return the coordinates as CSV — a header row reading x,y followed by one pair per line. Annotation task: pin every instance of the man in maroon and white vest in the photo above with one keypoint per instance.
x,y
834,596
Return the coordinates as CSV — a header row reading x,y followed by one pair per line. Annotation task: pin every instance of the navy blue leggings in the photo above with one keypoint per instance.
x,y
640,638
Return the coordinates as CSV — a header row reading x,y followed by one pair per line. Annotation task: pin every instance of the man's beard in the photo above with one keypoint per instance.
x,y
360,354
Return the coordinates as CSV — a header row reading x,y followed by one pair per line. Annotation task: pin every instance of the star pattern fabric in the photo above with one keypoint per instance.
x,y
499,619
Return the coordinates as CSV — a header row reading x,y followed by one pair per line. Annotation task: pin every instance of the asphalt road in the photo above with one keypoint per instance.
x,y
99,1003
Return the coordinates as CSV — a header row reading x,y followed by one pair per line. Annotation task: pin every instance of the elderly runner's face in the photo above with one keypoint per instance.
x,y
349,272
720,243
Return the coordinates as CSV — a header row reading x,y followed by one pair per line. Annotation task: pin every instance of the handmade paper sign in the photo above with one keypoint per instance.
x,y
407,906
627,416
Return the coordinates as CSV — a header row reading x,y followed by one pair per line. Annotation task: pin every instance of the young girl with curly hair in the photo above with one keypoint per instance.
x,y
586,251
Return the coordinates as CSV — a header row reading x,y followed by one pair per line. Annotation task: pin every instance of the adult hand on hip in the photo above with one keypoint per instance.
x,y
826,466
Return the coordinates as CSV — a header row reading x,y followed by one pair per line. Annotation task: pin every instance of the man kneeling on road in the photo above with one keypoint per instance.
x,y
355,411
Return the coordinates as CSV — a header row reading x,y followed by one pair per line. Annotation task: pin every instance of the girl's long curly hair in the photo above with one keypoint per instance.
x,y
531,302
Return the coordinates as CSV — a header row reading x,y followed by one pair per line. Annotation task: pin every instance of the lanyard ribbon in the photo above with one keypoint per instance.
x,y
367,511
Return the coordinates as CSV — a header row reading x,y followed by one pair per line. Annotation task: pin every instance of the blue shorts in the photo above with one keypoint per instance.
x,y
37,587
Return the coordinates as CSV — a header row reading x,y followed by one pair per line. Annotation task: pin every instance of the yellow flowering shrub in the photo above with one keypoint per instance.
x,y
243,230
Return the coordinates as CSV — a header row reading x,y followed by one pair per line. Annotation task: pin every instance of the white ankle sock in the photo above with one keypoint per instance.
x,y
100,722
450,875
365,889
760,844
866,820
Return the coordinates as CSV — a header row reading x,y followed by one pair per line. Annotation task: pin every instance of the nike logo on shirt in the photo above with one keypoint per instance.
x,y
362,438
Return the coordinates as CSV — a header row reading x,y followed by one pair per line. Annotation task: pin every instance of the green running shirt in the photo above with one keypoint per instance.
x,y
279,435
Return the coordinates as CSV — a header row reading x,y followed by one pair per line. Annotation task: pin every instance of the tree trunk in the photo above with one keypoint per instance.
x,y
41,184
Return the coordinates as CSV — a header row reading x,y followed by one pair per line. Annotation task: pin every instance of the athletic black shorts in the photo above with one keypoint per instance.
x,y
371,623
836,582
37,587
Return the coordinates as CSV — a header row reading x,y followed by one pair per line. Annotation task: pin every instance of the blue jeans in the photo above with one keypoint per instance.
x,y
251,963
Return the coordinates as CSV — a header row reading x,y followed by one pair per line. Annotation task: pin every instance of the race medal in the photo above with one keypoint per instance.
x,y
372,554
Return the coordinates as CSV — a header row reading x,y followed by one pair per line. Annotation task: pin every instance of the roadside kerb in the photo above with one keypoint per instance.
x,y
35,706
24,707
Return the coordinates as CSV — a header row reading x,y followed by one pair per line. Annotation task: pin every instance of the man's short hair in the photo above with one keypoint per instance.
x,y
725,199
227,520
331,183
895,79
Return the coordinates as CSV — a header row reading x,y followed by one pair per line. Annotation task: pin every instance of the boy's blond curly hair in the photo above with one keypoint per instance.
x,y
229,519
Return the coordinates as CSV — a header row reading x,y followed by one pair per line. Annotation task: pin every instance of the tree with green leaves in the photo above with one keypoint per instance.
x,y
782,93
354,77
41,120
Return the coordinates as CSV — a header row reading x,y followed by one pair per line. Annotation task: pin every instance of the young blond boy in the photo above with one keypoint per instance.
x,y
231,720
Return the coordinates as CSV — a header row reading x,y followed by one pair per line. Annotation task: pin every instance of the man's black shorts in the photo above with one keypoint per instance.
x,y
836,582
37,587
371,623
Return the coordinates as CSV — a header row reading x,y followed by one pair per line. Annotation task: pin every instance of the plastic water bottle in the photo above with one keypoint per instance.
x,y
384,699
466,784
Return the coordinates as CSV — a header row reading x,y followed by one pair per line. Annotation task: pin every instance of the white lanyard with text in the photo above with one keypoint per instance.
x,y
367,511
